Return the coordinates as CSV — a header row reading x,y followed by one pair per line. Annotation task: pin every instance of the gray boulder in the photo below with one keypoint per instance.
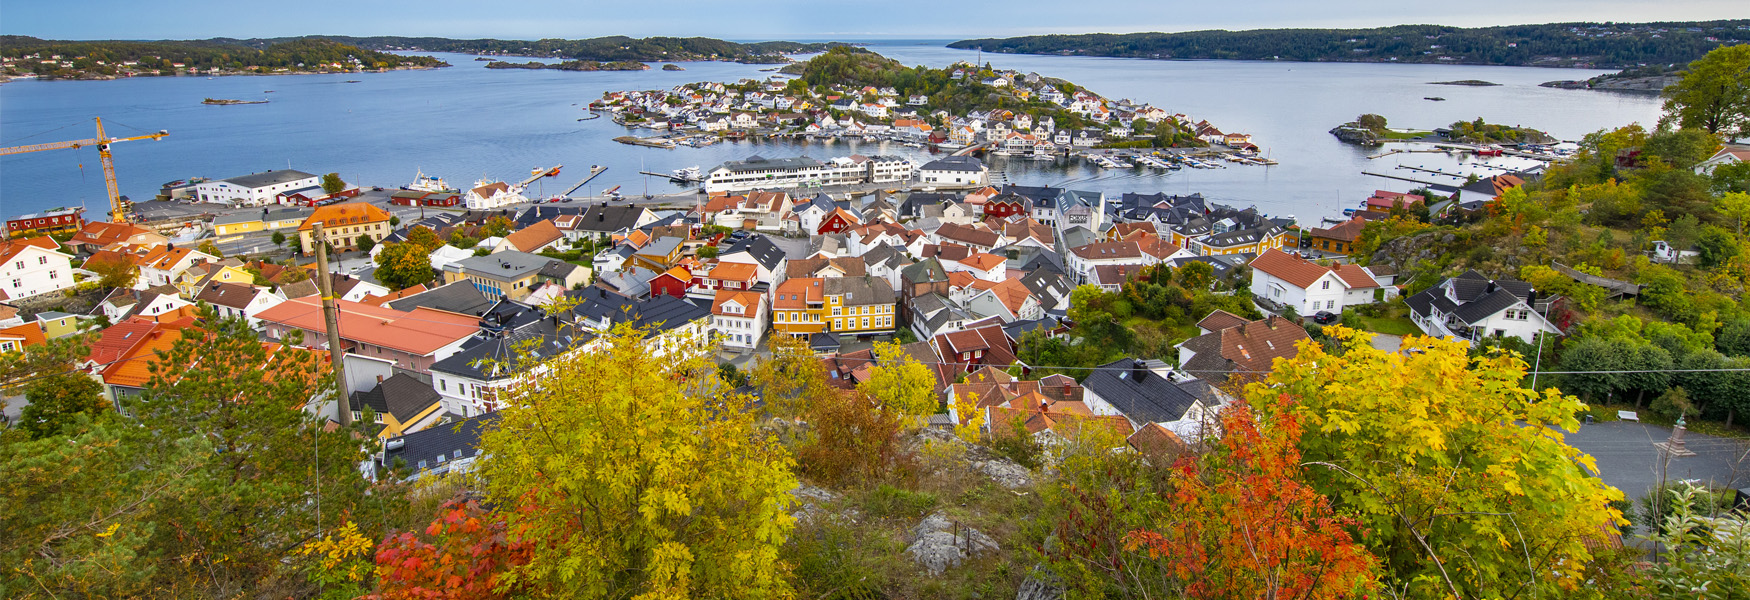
x,y
1005,472
1041,584
936,545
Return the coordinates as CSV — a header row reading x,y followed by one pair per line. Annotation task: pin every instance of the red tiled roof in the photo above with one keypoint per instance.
x,y
735,271
11,248
103,233
420,332
796,293
749,300
1346,231
1304,273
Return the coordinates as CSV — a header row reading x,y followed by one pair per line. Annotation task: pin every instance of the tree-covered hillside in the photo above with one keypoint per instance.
x,y
1602,45
602,49
108,57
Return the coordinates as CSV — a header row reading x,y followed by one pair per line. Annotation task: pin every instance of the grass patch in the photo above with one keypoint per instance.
x,y
1393,134
887,501
1391,325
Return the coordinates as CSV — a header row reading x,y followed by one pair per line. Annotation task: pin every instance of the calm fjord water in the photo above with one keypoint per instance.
x,y
466,121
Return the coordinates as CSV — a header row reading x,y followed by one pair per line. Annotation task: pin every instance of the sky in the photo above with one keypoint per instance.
x,y
790,19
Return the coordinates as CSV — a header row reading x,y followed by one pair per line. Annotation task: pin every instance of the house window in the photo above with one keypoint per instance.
x,y
835,311
443,385
379,417
53,275
457,454
440,459
1325,285
835,325
1329,304
42,260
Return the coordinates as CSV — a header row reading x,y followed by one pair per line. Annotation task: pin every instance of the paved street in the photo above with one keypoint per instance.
x,y
1627,459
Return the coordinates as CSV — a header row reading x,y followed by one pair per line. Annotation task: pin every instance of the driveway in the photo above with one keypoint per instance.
x,y
1387,342
1628,460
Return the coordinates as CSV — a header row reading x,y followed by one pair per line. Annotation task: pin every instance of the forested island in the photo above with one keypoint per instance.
x,y
573,65
602,49
57,59
1595,45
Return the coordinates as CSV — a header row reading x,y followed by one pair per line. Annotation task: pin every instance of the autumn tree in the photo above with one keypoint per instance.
x,y
332,184
211,249
791,378
497,227
1244,525
113,271
403,265
1457,474
851,438
464,554
901,383
632,471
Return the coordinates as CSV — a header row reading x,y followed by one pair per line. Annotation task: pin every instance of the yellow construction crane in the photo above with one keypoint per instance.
x,y
117,211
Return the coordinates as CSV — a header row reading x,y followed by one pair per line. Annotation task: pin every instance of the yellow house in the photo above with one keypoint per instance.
x,y
509,274
342,224
1254,241
799,307
237,224
659,255
229,270
58,324
286,218
858,305
400,404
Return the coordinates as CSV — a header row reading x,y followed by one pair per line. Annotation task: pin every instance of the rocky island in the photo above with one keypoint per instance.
x,y
1466,82
226,102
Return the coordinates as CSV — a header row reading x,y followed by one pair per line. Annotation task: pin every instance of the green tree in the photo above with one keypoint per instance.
x,y
210,248
497,227
57,401
331,183
1715,246
403,265
365,243
707,252
424,238
1462,485
394,221
254,496
1734,206
1714,93
637,474
279,238
1371,122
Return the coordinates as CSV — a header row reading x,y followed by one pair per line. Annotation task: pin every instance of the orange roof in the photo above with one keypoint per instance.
x,y
420,332
679,272
1304,273
103,233
1013,294
982,261
11,248
796,293
745,298
134,368
163,257
734,272
528,239
30,334
115,341
351,213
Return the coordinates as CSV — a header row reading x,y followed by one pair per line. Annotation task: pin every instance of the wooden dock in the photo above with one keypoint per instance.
x,y
593,172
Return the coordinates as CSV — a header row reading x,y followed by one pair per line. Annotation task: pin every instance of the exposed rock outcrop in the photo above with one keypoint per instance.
x,y
938,544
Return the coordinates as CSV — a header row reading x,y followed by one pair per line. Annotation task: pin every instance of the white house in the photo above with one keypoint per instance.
x,y
1729,155
34,266
488,195
739,318
1471,307
1308,287
164,264
255,189
234,301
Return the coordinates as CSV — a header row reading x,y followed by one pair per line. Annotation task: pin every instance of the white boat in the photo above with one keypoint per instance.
x,y
689,173
427,183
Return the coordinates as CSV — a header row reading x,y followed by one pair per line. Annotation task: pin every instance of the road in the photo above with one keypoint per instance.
x,y
1628,461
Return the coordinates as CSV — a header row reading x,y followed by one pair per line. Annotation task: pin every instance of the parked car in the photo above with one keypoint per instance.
x,y
1324,317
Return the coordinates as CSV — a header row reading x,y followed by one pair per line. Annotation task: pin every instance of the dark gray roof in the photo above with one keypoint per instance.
x,y
1041,197
446,440
762,250
608,219
493,356
823,342
557,269
401,395
861,291
955,163
914,202
536,214
458,297
1046,283
504,266
1482,308
267,178
1154,399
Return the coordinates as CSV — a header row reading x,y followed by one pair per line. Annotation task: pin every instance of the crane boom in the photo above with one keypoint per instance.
x,y
117,212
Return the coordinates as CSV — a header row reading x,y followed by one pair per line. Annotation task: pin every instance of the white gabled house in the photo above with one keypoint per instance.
x,y
1472,307
32,267
739,318
1309,288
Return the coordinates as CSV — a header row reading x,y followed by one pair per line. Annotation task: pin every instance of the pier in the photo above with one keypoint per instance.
x,y
594,170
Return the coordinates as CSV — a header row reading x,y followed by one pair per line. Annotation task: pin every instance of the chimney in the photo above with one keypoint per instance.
x,y
1138,370
1044,406
1066,391
1491,288
1270,321
379,380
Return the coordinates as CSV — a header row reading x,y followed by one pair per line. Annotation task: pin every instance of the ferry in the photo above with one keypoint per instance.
x,y
427,183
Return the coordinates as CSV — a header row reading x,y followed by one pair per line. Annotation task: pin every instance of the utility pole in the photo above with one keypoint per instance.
x,y
331,319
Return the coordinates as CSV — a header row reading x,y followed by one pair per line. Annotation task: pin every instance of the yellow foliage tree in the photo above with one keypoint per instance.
x,y
900,383
1458,474
633,473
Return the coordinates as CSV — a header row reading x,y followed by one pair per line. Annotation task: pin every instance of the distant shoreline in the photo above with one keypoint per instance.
x,y
8,78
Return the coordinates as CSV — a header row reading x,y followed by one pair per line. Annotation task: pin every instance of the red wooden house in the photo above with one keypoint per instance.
x,y
1005,205
837,222
673,282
